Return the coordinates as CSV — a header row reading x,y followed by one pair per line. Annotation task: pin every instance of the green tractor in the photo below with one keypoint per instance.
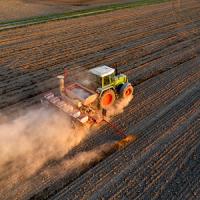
x,y
110,85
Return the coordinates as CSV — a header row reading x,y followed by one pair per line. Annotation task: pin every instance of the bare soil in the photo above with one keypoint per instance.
x,y
158,47
20,9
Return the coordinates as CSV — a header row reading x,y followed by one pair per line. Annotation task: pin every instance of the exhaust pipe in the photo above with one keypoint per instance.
x,y
62,83
62,80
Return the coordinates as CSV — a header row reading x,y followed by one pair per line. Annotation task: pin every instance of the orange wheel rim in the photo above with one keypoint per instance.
x,y
107,100
128,92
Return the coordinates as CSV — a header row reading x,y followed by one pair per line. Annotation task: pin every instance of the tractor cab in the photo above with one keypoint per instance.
x,y
104,76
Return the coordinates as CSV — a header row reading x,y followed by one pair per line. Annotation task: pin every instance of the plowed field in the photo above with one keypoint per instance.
x,y
20,9
158,47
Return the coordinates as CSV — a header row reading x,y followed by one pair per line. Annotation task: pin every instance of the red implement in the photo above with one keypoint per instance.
x,y
118,131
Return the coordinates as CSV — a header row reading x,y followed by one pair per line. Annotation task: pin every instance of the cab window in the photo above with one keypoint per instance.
x,y
112,76
106,80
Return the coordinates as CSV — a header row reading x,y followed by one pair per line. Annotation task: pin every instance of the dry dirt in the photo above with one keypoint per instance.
x,y
20,9
158,47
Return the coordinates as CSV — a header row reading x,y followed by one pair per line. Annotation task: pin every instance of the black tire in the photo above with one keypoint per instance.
x,y
126,90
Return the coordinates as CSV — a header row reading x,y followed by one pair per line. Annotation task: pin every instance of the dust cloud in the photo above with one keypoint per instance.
x,y
27,188
119,106
31,141
77,162
36,137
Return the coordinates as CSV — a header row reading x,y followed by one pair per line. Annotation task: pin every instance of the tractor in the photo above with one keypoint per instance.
x,y
110,85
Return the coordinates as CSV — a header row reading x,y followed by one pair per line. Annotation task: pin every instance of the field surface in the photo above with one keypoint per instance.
x,y
158,47
20,9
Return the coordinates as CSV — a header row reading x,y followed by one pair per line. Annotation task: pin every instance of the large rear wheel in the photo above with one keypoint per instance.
x,y
107,99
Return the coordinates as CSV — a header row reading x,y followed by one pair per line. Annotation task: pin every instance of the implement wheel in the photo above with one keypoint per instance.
x,y
107,99
126,90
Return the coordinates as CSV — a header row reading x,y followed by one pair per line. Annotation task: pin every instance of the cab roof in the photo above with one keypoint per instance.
x,y
102,71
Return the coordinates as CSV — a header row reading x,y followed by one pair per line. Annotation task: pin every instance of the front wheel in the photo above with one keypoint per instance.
x,y
126,90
